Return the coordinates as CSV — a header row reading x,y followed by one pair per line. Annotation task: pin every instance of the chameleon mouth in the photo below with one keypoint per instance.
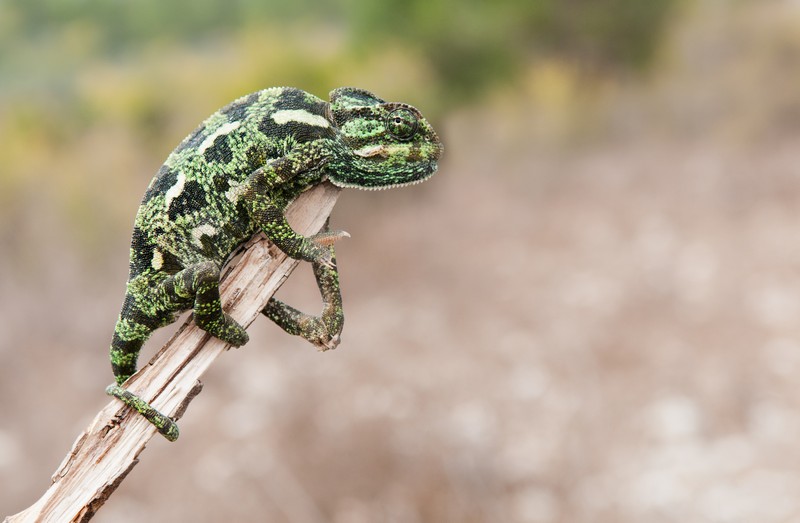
x,y
430,171
424,164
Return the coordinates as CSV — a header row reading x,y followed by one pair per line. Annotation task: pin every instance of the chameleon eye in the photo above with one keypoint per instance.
x,y
402,123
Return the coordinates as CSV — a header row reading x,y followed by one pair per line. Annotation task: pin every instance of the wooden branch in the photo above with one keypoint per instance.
x,y
109,448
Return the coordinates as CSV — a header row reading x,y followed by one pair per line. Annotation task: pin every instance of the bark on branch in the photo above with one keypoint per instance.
x,y
109,448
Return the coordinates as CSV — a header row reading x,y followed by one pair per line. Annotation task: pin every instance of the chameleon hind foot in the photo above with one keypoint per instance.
x,y
164,424
201,282
225,328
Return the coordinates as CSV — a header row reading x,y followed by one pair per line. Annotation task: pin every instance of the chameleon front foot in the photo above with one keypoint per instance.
x,y
164,424
318,248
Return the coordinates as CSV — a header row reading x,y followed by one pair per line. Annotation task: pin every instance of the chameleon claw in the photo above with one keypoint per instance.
x,y
323,256
330,344
328,263
164,424
320,246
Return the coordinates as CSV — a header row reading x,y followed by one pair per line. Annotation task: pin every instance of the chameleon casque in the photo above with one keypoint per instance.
x,y
233,177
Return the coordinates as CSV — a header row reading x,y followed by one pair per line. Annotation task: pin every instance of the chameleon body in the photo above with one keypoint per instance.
x,y
234,176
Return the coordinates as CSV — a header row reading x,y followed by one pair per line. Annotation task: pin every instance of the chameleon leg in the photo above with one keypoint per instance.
x,y
197,285
202,282
266,207
268,213
323,331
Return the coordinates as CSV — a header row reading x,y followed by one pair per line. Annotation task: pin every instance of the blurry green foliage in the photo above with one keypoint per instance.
x,y
468,45
471,44
95,93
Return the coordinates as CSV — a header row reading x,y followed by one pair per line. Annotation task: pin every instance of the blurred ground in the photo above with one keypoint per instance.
x,y
591,325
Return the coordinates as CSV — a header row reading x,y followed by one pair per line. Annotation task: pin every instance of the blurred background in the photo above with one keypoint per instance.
x,y
589,315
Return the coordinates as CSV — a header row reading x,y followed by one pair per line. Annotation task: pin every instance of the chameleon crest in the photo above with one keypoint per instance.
x,y
233,177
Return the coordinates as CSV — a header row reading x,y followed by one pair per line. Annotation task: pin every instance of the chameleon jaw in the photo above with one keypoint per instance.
x,y
345,185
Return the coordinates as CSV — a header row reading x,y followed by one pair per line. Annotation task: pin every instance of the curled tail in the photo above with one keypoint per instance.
x,y
133,328
164,424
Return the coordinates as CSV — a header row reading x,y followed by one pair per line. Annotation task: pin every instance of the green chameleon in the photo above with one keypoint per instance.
x,y
234,176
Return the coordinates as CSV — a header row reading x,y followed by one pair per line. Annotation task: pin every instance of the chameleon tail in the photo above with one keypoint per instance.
x,y
133,328
164,424
128,339
130,333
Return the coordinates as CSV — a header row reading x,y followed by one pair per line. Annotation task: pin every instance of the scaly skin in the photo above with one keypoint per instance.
x,y
234,176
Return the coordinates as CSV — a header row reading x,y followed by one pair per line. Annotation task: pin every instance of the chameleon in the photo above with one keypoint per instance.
x,y
233,177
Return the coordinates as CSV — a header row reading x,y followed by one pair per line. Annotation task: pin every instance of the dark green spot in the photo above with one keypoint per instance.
x,y
191,198
219,151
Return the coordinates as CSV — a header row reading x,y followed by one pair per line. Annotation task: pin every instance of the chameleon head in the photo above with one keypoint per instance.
x,y
387,144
